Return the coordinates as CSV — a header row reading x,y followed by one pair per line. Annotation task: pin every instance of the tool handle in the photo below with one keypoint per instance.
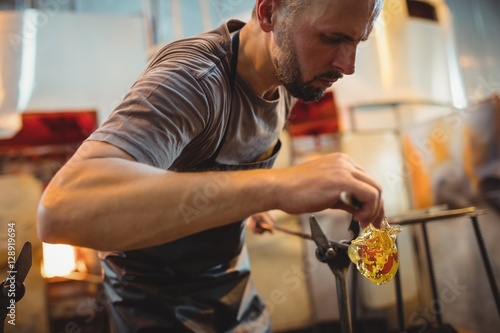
x,y
350,200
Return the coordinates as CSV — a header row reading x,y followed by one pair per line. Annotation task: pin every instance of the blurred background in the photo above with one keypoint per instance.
x,y
420,114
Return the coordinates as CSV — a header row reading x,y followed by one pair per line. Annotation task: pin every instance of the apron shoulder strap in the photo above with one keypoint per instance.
x,y
235,43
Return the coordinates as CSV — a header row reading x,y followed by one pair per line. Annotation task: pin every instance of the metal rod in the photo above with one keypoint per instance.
x,y
434,216
267,226
270,227
343,300
486,261
354,303
399,300
437,306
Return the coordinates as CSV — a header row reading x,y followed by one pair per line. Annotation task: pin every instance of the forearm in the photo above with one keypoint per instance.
x,y
116,204
104,200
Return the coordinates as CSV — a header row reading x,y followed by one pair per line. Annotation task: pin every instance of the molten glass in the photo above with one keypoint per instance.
x,y
375,253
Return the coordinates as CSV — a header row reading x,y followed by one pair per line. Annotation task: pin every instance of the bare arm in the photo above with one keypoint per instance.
x,y
103,199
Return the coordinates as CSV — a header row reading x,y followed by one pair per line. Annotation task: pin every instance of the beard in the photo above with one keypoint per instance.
x,y
289,73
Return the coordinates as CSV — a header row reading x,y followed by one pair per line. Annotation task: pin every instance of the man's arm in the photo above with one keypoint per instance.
x,y
103,199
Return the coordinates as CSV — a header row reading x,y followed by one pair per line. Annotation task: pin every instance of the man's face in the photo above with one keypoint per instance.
x,y
317,46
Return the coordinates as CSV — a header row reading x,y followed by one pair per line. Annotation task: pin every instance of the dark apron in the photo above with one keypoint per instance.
x,y
200,283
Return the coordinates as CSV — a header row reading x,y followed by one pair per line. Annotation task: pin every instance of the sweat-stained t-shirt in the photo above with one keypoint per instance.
x,y
174,118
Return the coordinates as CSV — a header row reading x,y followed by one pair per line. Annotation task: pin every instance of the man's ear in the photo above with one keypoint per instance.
x,y
265,12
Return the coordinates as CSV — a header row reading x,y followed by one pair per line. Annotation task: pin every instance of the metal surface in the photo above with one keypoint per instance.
x,y
319,238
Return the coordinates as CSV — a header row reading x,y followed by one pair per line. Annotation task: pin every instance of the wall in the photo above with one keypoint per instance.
x,y
476,26
85,61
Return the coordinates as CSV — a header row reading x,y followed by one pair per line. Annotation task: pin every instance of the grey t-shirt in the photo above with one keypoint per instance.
x,y
175,114
174,118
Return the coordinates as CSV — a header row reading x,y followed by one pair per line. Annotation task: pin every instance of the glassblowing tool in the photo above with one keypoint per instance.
x,y
335,255
13,289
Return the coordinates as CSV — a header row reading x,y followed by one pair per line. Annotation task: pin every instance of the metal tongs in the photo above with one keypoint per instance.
x,y
335,255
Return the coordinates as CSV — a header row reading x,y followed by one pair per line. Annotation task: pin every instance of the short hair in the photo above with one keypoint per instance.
x,y
292,6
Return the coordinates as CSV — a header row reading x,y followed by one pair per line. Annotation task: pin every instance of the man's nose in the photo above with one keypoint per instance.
x,y
345,59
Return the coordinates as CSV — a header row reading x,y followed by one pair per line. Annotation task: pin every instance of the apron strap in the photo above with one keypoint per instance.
x,y
235,43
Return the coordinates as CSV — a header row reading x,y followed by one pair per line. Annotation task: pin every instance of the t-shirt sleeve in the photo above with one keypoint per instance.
x,y
164,111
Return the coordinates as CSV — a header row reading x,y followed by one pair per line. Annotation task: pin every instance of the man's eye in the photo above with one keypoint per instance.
x,y
335,40
332,40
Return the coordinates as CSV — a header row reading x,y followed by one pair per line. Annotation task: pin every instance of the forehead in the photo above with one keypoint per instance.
x,y
353,18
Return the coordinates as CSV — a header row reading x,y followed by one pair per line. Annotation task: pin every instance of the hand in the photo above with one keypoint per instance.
x,y
316,185
261,222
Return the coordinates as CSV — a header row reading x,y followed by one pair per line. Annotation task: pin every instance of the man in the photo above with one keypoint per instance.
x,y
162,187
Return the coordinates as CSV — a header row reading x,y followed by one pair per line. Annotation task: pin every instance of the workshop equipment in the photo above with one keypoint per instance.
x,y
423,218
335,255
13,288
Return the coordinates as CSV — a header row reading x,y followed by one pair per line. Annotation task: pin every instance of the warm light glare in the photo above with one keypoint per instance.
x,y
58,260
10,124
468,61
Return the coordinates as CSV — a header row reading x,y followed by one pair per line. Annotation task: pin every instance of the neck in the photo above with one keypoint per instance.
x,y
255,64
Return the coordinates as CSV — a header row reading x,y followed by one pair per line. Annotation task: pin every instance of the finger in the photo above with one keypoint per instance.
x,y
351,162
366,178
354,204
377,222
262,222
351,204
380,214
265,219
371,207
254,225
269,217
345,207
376,218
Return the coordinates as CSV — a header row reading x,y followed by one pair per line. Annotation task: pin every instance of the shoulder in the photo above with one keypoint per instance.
x,y
199,65
199,56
